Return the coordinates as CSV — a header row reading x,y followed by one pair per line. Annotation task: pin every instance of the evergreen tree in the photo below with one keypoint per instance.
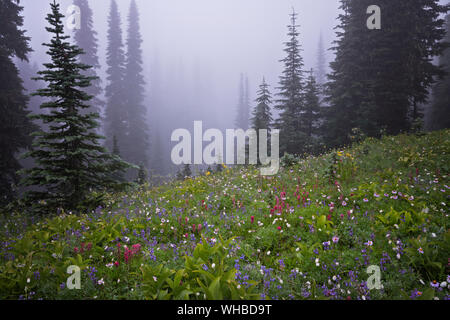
x,y
380,77
69,160
186,171
116,122
137,145
242,116
118,174
345,94
142,176
246,104
28,71
15,127
311,117
291,101
179,175
321,69
440,111
262,116
425,35
86,38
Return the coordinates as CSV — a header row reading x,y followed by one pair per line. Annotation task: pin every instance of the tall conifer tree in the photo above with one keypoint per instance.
x,y
116,122
380,78
310,118
69,160
291,102
86,38
242,115
246,103
440,111
15,127
321,68
137,145
262,115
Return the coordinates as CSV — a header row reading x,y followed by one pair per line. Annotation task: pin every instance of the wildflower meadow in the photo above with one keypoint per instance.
x,y
310,232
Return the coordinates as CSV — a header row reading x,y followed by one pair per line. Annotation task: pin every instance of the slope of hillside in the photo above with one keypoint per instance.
x,y
310,232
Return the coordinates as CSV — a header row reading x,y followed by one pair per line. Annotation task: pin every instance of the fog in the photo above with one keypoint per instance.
x,y
195,50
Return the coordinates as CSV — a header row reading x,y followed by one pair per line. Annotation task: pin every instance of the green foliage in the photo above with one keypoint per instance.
x,y
262,116
288,160
294,235
440,112
14,123
137,141
382,83
86,38
70,163
187,171
142,177
205,276
291,102
428,257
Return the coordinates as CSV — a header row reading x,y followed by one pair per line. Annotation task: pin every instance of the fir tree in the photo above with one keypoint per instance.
x,y
28,71
137,145
311,117
86,38
246,104
118,174
344,93
380,78
116,122
69,160
321,63
242,116
424,41
15,127
440,112
186,171
179,176
262,116
142,176
291,88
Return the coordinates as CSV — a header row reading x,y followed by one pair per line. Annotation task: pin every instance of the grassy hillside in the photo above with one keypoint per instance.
x,y
310,232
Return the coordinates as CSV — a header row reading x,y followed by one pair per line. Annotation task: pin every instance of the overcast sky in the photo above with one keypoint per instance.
x,y
211,41
195,50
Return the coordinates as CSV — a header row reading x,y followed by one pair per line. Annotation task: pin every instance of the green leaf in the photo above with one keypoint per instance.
x,y
214,288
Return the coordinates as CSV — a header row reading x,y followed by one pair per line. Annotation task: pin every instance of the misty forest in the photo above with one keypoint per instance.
x,y
98,200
